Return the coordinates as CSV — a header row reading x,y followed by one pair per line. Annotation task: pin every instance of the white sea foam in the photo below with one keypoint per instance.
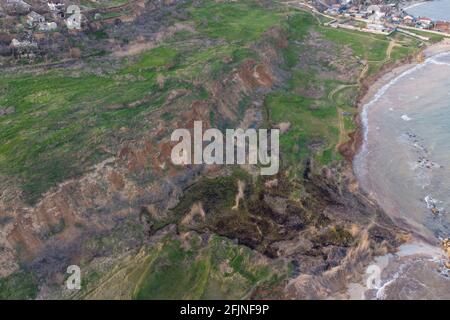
x,y
414,5
440,63
438,10
380,93
381,292
418,252
405,117
431,203
408,157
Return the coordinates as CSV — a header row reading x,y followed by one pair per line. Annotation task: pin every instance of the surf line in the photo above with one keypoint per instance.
x,y
380,93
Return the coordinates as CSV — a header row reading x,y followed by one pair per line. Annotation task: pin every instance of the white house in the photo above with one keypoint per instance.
x,y
426,21
375,13
408,20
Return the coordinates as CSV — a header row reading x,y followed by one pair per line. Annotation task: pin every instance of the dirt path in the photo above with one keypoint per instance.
x,y
309,8
389,49
342,132
339,88
391,46
363,73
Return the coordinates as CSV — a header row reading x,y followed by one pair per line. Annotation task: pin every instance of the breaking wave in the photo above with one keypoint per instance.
x,y
380,93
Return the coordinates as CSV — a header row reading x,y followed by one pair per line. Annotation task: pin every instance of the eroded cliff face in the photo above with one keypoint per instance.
x,y
138,176
111,217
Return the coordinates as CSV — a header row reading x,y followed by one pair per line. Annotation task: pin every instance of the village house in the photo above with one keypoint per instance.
x,y
57,9
333,10
442,26
375,13
425,23
362,15
378,15
34,19
353,10
349,11
396,19
386,9
409,20
336,6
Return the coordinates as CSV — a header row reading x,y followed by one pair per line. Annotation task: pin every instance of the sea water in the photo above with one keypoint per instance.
x,y
405,160
435,10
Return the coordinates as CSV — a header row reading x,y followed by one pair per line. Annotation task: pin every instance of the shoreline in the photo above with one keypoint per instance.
x,y
373,88
414,4
418,3
375,84
408,261
419,246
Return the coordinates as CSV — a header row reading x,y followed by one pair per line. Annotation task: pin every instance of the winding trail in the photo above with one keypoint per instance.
x,y
342,132
331,96
339,88
391,46
363,73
